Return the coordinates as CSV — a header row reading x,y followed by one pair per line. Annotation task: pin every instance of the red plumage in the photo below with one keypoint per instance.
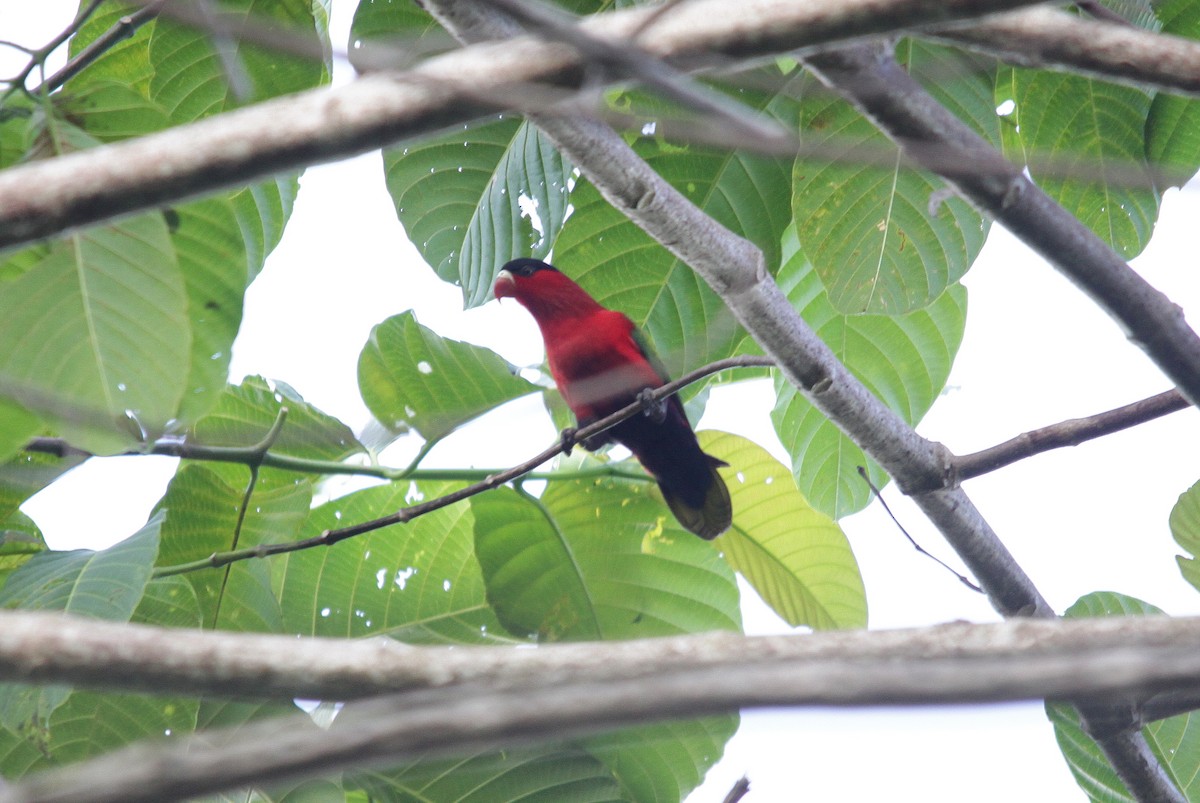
x,y
600,366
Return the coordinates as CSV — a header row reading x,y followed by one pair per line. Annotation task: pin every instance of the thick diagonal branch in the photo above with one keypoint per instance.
x,y
869,77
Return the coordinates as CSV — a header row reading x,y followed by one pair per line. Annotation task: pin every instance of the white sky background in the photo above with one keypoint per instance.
x,y
1036,351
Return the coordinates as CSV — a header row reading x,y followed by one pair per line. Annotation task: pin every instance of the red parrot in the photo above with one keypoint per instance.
x,y
601,364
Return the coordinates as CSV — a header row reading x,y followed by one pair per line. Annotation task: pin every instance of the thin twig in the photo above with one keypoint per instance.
x,y
37,57
1067,433
122,29
738,791
962,578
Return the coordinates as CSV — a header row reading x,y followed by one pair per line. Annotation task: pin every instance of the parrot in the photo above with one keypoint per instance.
x,y
601,363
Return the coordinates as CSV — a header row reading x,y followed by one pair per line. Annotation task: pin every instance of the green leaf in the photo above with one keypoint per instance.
x,y
797,558
126,62
600,559
624,269
904,360
468,199
527,775
245,413
408,374
604,559
17,426
1185,527
111,111
664,761
24,475
95,339
417,582
1083,128
1175,741
109,584
90,724
868,227
192,79
1173,125
202,518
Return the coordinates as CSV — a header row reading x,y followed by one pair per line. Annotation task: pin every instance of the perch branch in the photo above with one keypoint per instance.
x,y
404,515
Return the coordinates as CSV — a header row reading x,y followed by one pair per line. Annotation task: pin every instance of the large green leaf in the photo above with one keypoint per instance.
x,y
904,360
797,558
625,270
605,560
90,724
598,560
194,79
94,337
1173,125
108,585
417,582
408,374
878,239
1175,741
475,198
202,518
245,413
1086,143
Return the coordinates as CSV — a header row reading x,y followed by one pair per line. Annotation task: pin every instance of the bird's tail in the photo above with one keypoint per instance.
x,y
713,515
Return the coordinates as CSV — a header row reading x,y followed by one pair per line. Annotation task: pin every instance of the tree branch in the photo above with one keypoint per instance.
x,y
1048,38
40,199
476,698
870,78
1067,433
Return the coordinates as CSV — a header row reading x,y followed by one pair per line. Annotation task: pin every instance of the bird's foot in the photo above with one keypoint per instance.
x,y
652,408
568,440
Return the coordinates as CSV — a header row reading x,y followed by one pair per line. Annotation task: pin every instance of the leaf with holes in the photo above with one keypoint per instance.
x,y
904,360
408,374
797,558
416,582
475,198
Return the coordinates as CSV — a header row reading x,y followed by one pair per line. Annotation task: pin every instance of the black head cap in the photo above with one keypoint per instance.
x,y
527,267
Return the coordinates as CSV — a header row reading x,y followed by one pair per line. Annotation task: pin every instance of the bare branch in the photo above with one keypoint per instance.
x,y
1045,37
232,149
472,698
1068,433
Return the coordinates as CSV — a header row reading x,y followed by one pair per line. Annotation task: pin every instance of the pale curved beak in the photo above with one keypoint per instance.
x,y
505,286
